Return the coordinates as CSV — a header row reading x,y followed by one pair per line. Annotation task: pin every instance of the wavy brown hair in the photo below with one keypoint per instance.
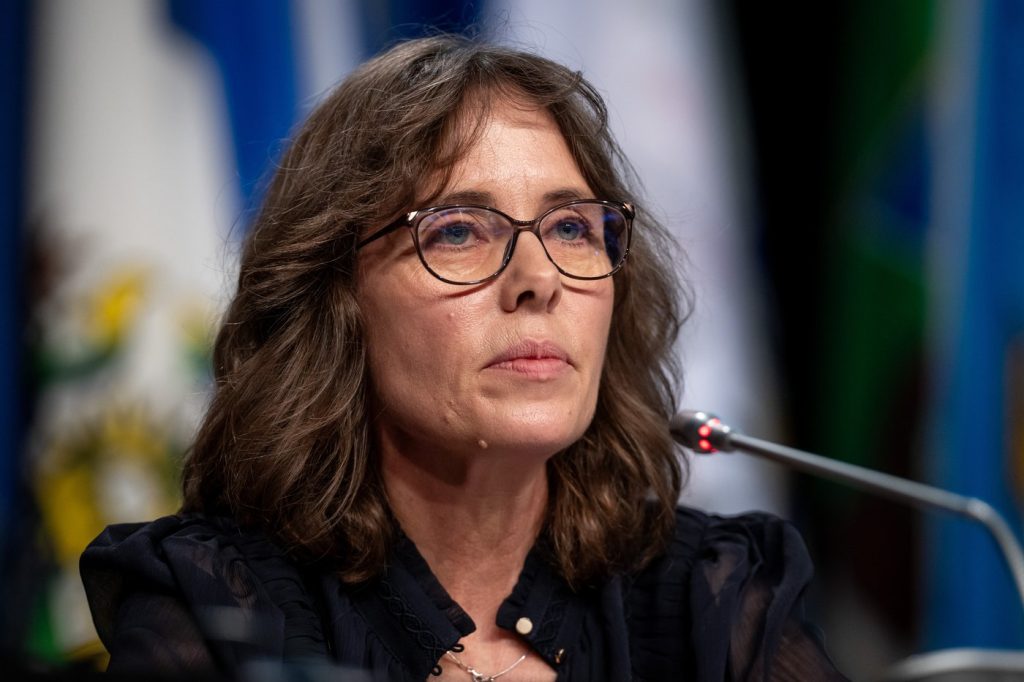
x,y
286,443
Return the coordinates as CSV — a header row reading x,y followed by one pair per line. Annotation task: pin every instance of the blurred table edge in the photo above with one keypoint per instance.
x,y
964,664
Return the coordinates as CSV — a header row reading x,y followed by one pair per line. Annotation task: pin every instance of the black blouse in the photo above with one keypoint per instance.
x,y
191,594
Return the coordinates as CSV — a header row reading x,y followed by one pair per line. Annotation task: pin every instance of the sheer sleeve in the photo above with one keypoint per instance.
x,y
747,586
137,606
189,594
156,633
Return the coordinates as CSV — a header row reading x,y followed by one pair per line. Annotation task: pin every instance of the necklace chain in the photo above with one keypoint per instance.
x,y
478,676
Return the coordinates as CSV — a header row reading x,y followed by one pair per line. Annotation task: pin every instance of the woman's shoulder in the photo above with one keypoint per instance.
x,y
129,539
710,557
170,556
232,583
732,587
751,541
156,553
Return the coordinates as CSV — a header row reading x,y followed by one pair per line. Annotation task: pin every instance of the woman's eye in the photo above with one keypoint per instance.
x,y
455,235
569,229
450,234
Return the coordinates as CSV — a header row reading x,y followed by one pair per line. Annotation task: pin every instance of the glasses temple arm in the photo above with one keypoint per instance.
x,y
386,230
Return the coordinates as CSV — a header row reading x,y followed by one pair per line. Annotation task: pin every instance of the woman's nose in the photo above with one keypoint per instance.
x,y
530,279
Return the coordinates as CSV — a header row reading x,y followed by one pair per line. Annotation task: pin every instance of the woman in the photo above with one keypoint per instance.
x,y
438,443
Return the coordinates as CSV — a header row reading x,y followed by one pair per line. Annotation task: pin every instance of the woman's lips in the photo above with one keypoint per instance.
x,y
533,359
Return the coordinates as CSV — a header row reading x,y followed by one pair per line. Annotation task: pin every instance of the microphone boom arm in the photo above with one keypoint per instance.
x,y
704,434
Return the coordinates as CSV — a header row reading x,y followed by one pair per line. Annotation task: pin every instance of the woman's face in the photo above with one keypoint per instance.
x,y
509,366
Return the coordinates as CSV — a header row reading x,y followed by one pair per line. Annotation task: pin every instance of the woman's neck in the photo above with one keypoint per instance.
x,y
473,518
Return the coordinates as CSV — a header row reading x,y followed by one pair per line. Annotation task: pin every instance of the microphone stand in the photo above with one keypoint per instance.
x,y
704,434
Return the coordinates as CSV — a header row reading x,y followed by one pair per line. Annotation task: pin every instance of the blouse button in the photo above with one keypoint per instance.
x,y
524,626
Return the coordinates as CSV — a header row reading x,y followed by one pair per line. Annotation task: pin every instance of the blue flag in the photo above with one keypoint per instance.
x,y
976,447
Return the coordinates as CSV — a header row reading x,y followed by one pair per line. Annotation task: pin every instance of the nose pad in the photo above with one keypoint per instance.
x,y
535,244
510,247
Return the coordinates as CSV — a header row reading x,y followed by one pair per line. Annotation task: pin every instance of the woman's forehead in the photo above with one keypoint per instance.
x,y
471,141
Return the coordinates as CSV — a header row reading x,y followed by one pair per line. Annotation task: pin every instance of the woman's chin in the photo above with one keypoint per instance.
x,y
528,440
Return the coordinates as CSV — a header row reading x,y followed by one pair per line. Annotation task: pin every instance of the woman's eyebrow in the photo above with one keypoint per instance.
x,y
564,194
483,198
468,196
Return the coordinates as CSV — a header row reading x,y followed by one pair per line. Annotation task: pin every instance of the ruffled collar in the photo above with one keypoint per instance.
x,y
418,621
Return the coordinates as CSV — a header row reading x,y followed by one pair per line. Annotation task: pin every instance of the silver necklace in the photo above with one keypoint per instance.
x,y
479,676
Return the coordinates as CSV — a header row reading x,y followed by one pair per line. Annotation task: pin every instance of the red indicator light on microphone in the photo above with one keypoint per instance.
x,y
704,431
705,445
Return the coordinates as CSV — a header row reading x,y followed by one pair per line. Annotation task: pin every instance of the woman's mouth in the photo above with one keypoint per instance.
x,y
532,359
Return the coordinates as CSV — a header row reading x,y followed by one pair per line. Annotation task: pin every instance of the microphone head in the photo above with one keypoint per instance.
x,y
702,432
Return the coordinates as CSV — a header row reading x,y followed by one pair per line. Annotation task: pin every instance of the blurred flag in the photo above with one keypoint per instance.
x,y
976,443
131,196
152,124
871,375
874,323
662,67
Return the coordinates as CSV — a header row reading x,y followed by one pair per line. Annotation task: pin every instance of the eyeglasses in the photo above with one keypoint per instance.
x,y
584,239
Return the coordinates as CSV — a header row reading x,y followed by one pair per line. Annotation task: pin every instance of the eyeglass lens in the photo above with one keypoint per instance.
x,y
465,244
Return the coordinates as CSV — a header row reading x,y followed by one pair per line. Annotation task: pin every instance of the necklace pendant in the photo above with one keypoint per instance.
x,y
478,676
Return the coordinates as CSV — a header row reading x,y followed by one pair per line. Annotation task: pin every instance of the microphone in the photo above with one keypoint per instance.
x,y
705,434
